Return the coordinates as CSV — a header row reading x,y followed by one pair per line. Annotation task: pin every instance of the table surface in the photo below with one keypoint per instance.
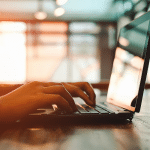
x,y
133,135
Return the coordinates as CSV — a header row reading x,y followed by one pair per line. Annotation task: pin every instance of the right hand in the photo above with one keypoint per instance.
x,y
27,98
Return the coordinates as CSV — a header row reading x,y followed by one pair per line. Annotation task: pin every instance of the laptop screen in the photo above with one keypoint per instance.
x,y
128,65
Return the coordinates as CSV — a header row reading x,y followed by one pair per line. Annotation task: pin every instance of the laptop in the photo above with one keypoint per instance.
x,y
127,80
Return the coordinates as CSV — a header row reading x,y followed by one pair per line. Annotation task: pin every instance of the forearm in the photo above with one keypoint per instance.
x,y
6,88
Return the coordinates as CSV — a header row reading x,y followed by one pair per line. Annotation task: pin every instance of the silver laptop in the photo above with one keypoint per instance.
x,y
126,83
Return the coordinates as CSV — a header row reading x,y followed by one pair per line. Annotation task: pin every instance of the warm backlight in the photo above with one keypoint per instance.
x,y
12,52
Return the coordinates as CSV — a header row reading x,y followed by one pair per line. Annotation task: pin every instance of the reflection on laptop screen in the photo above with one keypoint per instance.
x,y
128,65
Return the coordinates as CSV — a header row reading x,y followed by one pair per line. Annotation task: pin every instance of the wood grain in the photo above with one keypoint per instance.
x,y
133,135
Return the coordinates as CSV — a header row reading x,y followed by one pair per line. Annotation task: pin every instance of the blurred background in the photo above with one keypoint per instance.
x,y
62,40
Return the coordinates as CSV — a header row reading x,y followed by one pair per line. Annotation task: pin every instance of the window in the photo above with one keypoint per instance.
x,y
12,52
46,49
51,51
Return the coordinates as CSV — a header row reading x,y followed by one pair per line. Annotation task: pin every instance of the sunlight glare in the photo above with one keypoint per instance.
x,y
12,52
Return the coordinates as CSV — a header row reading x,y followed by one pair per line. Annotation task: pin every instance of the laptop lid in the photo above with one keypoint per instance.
x,y
130,64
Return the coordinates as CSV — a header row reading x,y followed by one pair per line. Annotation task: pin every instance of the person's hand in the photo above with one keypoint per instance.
x,y
79,89
27,98
83,90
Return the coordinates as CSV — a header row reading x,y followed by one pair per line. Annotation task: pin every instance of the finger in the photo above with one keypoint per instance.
x,y
84,96
58,100
46,84
60,90
85,86
89,90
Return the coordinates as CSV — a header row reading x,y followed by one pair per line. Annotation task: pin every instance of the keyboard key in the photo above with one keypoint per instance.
x,y
113,107
90,109
106,109
81,109
100,110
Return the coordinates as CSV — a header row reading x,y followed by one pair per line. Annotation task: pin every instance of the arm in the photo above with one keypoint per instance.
x,y
6,88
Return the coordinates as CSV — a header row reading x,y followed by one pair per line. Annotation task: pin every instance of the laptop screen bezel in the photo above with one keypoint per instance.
x,y
135,23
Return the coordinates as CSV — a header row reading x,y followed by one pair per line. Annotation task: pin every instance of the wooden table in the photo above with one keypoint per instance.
x,y
133,135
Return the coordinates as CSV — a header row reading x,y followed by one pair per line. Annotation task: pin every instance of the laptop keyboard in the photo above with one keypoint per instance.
x,y
86,109
100,108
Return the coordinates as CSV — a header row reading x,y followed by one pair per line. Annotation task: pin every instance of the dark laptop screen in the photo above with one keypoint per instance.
x,y
128,65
